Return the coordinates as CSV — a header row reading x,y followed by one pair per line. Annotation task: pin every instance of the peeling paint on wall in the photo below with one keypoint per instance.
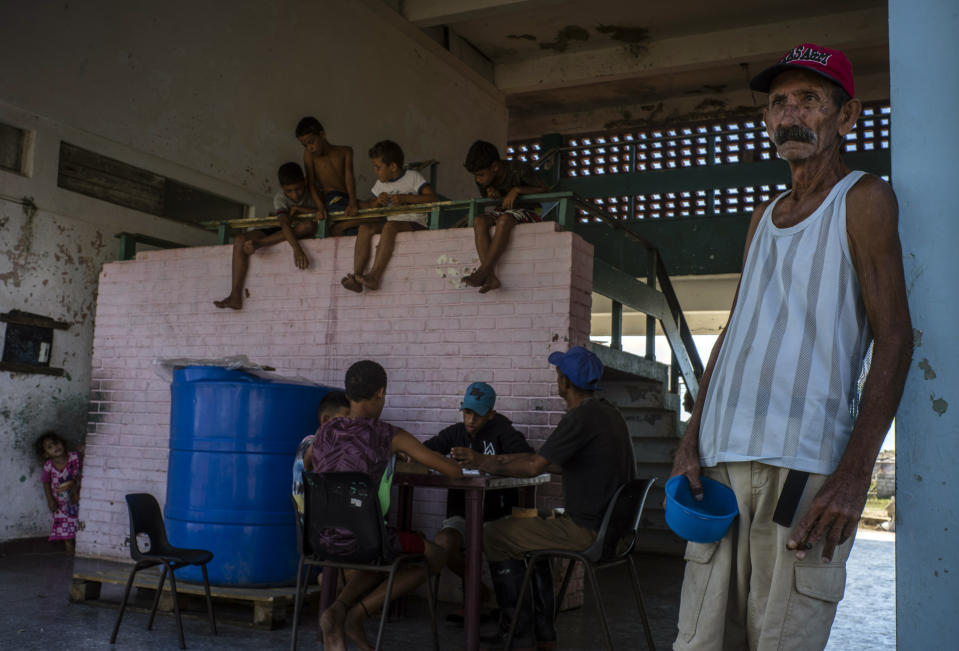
x,y
22,262
564,37
51,264
927,372
708,109
938,404
454,275
634,38
710,104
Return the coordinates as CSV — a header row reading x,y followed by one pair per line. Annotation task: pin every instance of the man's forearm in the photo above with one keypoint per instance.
x,y
510,465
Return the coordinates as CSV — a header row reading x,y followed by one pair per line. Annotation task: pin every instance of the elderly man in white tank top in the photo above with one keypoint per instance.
x,y
780,417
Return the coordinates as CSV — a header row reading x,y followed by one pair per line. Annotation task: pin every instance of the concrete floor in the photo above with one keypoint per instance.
x,y
36,614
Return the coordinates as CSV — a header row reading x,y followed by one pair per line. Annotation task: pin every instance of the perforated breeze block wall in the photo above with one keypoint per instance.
x,y
432,334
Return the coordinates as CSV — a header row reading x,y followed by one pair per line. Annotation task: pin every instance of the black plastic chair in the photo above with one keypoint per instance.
x,y
348,500
620,521
146,518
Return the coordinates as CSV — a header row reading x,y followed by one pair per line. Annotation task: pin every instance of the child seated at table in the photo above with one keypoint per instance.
x,y
486,432
333,405
361,442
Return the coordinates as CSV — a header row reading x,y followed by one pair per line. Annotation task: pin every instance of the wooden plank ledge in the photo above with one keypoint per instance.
x,y
378,213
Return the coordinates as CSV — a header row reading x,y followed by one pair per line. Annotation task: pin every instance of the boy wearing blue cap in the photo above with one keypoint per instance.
x,y
591,447
486,432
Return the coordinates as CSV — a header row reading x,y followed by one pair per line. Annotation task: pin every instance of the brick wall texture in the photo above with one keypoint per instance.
x,y
432,334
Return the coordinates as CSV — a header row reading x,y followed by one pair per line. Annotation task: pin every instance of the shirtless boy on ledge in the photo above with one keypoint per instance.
x,y
329,173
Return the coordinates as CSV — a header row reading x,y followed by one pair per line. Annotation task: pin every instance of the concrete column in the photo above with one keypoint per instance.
x,y
924,80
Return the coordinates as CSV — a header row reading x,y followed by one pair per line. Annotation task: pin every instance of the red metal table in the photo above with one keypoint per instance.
x,y
475,487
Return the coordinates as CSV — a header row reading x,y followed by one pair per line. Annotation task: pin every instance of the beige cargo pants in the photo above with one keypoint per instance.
x,y
747,591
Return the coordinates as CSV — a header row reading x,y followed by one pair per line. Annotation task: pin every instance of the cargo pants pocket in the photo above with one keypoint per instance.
x,y
812,606
696,577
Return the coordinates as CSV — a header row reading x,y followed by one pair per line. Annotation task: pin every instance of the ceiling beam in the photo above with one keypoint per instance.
x,y
428,13
867,27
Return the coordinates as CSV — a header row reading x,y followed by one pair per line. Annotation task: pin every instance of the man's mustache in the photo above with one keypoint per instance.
x,y
796,132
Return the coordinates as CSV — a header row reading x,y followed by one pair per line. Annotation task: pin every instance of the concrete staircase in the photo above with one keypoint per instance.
x,y
638,387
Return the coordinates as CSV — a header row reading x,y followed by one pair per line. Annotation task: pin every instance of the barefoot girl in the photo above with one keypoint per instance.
x,y
61,485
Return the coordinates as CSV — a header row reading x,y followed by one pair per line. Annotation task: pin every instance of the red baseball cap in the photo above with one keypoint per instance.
x,y
831,64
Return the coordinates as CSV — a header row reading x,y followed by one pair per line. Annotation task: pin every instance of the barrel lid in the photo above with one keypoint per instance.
x,y
210,374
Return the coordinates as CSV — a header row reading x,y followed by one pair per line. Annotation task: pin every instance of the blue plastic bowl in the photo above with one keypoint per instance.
x,y
701,522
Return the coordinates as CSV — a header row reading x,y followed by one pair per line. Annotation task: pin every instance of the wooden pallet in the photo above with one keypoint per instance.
x,y
270,605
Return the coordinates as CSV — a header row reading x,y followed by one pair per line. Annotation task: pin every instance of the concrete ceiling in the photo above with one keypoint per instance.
x,y
571,66
551,57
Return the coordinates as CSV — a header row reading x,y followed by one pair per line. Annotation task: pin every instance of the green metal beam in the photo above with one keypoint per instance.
x,y
689,246
625,289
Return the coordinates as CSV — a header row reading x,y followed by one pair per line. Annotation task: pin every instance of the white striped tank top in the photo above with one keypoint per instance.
x,y
784,390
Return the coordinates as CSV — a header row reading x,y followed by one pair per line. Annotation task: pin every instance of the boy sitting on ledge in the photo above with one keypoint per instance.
x,y
291,200
329,173
394,187
498,179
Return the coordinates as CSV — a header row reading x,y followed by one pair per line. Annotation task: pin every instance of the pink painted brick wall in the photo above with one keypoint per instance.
x,y
433,336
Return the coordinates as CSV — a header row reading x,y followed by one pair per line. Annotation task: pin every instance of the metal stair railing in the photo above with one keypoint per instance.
x,y
658,304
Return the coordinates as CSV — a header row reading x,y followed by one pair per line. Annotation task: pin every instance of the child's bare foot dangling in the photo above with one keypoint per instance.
x,y
233,302
477,278
492,282
370,282
351,283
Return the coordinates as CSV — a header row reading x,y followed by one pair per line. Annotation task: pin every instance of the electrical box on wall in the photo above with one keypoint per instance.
x,y
28,343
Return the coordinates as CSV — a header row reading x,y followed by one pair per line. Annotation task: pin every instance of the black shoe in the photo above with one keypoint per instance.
x,y
507,581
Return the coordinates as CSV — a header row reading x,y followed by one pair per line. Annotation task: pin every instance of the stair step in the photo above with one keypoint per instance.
x,y
637,393
649,423
620,365
654,449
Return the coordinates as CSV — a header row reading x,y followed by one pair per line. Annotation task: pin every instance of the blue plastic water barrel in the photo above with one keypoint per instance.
x,y
233,437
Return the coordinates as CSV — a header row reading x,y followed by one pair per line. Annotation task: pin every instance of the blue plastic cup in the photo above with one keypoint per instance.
x,y
703,522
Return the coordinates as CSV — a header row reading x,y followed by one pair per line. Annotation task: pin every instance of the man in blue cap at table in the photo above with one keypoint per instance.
x,y
486,432
592,450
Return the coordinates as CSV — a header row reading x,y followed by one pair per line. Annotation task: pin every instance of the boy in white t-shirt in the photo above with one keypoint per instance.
x,y
394,187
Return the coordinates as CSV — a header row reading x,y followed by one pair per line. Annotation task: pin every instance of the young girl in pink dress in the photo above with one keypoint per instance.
x,y
61,485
